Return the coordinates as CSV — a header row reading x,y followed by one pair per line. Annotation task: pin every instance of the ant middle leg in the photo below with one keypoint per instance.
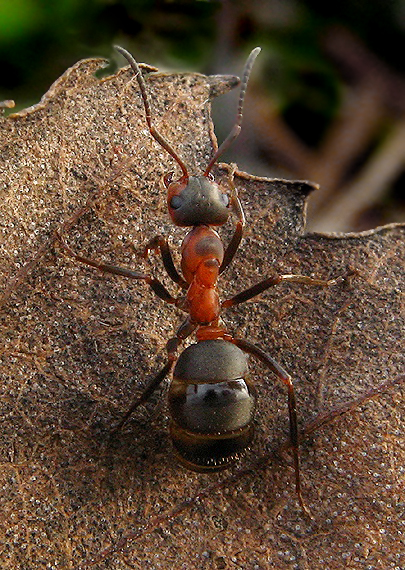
x,y
158,288
275,280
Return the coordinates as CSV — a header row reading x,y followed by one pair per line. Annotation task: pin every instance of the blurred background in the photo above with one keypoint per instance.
x,y
326,101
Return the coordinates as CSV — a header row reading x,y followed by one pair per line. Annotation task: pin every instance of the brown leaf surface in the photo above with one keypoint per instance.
x,y
77,345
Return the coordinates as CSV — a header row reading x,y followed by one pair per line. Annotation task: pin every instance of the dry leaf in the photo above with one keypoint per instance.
x,y
77,345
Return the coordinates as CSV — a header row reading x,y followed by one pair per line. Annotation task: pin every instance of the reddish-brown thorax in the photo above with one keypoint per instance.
x,y
202,255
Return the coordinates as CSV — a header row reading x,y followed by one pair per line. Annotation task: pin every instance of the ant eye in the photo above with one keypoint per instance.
x,y
225,199
167,179
176,202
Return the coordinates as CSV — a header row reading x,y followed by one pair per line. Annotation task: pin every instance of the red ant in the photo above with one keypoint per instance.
x,y
211,399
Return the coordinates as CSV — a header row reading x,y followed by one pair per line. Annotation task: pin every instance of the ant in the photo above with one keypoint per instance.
x,y
211,399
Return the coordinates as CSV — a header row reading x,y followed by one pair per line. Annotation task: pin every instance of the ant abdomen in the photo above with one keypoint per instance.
x,y
212,404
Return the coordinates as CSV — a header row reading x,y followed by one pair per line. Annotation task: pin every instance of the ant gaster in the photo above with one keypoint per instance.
x,y
211,399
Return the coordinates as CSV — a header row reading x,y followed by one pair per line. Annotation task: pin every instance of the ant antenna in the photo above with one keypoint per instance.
x,y
237,126
148,115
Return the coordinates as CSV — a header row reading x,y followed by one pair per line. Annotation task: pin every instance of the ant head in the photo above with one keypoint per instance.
x,y
195,200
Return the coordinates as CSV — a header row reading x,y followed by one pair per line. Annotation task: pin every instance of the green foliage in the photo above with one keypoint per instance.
x,y
18,18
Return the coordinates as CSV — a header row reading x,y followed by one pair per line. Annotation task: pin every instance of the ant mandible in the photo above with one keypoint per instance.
x,y
211,399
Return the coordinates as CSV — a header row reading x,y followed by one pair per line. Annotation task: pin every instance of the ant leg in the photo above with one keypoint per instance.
x,y
240,224
292,406
185,329
324,418
158,288
275,280
159,243
150,387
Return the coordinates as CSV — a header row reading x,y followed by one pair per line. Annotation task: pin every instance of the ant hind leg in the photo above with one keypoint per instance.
x,y
292,407
186,329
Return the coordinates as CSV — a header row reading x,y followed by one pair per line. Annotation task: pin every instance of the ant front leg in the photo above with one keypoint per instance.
x,y
159,243
233,245
158,288
292,406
